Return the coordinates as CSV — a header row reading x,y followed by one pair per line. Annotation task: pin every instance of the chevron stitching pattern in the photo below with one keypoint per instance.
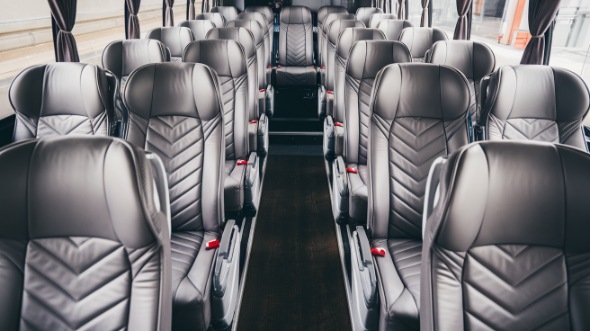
x,y
63,125
515,287
297,45
178,141
185,248
228,97
414,144
28,123
407,257
567,129
578,268
531,129
75,283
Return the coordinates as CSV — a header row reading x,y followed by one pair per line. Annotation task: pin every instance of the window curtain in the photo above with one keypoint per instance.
x,y
133,21
462,22
191,10
401,9
169,16
424,19
541,14
64,14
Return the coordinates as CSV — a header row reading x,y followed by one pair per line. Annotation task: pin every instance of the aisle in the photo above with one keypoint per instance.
x,y
294,279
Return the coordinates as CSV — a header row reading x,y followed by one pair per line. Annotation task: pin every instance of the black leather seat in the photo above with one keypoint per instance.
x,y
83,244
216,18
63,99
420,40
474,59
323,13
378,18
199,28
530,102
393,28
296,64
261,19
229,13
419,112
228,59
270,21
511,252
175,38
364,14
184,126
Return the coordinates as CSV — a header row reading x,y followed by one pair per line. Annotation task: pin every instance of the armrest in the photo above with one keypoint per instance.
x,y
262,147
431,194
328,143
161,193
330,103
340,191
252,185
234,190
253,135
270,101
323,72
338,139
119,117
364,298
321,101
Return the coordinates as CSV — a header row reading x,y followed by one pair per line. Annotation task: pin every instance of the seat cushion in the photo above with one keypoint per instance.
x,y
399,283
192,263
358,193
234,186
296,76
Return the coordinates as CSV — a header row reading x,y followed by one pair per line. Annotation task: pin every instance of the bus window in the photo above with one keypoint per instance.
x,y
444,16
414,12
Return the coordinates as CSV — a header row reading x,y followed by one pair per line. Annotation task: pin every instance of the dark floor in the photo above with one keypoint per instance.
x,y
294,279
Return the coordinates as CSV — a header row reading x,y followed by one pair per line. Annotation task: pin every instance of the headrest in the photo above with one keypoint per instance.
x,y
377,18
229,13
83,186
213,17
65,88
421,90
264,10
182,89
393,28
324,11
241,35
335,28
351,35
527,193
333,17
175,38
124,56
258,17
474,59
363,14
199,28
295,15
419,40
367,58
226,57
251,25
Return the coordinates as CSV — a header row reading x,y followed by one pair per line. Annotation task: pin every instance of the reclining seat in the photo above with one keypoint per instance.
x,y
477,275
364,14
258,122
366,59
123,57
199,28
420,40
258,17
474,59
323,13
530,102
83,244
393,28
419,112
175,38
216,18
378,18
242,183
296,65
323,43
184,127
269,15
61,99
333,125
229,13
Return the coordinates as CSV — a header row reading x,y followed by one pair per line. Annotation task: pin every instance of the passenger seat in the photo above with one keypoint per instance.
x,y
258,17
323,42
364,14
216,18
420,40
270,19
378,18
175,38
393,28
229,13
199,28
323,13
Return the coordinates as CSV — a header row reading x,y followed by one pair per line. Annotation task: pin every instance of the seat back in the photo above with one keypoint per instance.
x,y
216,18
378,18
366,59
270,20
175,38
364,14
530,102
229,13
324,11
246,40
82,237
323,33
512,249
474,59
258,17
228,59
393,28
420,40
258,34
295,37
335,28
199,28
184,127
419,112
62,99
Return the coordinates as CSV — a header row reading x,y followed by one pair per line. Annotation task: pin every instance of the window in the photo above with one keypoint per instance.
x,y
444,15
415,11
150,15
179,11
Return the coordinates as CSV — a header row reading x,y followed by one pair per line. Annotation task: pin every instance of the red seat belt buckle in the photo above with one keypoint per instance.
x,y
322,67
242,162
262,90
269,67
212,244
377,251
253,121
351,170
338,124
330,92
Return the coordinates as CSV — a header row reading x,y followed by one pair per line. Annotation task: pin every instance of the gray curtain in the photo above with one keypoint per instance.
x,y
462,22
169,13
64,13
401,9
424,19
133,31
191,10
541,14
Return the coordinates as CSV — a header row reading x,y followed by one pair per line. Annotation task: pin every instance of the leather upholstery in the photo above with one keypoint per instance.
x,y
229,13
175,38
393,28
419,40
323,34
184,126
364,14
258,34
83,243
227,58
335,28
199,28
216,18
378,18
535,103
419,112
296,65
510,253
366,59
270,20
258,17
61,99
324,11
